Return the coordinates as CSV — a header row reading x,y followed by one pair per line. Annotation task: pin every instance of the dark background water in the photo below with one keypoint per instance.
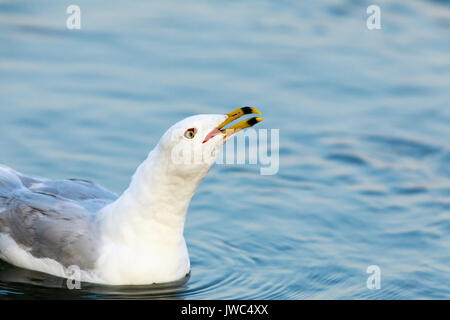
x,y
363,115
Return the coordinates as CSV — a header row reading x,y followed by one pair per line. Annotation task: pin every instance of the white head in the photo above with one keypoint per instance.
x,y
190,147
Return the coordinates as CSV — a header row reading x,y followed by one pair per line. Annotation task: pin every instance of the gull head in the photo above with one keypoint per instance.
x,y
190,147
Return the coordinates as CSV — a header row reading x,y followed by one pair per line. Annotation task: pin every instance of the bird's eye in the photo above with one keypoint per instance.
x,y
190,133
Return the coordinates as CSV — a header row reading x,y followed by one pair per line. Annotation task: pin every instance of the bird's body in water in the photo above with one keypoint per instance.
x,y
135,238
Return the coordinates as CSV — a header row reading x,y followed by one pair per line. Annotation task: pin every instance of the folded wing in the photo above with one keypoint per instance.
x,y
52,218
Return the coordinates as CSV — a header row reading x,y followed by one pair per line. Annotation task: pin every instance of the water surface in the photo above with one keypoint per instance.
x,y
363,115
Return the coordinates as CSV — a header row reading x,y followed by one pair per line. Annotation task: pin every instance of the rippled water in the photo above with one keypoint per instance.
x,y
363,115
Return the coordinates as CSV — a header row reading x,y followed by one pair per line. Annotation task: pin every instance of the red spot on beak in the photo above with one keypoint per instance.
x,y
212,134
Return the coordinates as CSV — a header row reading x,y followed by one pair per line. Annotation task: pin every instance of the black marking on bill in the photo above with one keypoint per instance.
x,y
252,121
247,110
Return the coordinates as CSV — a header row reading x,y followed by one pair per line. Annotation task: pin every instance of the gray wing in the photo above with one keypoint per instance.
x,y
52,218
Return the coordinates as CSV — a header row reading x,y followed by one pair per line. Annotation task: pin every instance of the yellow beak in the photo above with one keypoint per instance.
x,y
231,116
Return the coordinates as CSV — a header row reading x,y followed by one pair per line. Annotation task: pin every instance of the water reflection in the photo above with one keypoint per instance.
x,y
28,284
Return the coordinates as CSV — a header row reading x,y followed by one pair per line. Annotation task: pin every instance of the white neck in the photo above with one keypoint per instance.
x,y
155,204
142,231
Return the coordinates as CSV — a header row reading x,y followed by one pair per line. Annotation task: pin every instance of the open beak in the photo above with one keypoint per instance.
x,y
233,115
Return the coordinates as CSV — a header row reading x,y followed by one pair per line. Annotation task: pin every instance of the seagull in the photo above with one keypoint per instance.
x,y
74,227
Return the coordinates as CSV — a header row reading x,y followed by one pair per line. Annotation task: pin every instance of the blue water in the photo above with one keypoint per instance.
x,y
364,118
